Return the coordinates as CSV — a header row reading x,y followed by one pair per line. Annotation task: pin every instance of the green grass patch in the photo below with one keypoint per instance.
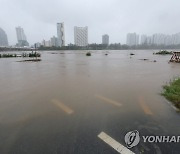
x,y
172,92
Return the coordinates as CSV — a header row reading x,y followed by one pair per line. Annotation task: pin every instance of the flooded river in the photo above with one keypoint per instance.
x,y
62,103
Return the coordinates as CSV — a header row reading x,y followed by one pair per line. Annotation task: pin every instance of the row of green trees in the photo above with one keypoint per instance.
x,y
8,55
115,46
14,49
32,54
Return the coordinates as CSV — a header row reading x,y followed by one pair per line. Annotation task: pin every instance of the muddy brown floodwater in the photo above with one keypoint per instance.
x,y
62,103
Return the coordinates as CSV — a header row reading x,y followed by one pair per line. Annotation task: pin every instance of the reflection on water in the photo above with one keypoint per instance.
x,y
27,90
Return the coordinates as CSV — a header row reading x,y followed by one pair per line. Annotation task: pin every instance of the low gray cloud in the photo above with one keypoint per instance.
x,y
114,17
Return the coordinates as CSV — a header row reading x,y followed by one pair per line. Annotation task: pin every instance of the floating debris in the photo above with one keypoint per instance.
x,y
132,54
88,54
106,54
144,59
30,60
57,53
148,60
32,54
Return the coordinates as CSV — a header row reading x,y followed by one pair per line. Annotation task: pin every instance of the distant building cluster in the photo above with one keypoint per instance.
x,y
80,37
132,39
55,41
161,39
21,37
3,38
155,39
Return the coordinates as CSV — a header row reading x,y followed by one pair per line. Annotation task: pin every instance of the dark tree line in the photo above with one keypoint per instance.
x,y
115,46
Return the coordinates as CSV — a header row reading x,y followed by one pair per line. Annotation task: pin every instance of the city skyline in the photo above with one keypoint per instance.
x,y
134,39
123,17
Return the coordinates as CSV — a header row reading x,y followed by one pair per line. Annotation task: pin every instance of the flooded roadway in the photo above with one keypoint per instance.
x,y
61,104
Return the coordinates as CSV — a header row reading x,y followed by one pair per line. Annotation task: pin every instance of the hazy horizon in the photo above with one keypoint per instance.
x,y
115,18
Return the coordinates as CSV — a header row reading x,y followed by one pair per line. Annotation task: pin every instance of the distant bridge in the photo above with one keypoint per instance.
x,y
16,49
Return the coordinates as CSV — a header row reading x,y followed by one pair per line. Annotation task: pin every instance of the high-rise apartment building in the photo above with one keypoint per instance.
x,y
60,35
46,43
143,39
81,36
158,39
21,37
3,38
132,39
176,38
37,45
105,39
149,40
54,41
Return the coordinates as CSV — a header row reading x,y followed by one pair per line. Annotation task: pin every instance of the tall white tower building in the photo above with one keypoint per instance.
x,y
20,34
60,35
81,36
21,37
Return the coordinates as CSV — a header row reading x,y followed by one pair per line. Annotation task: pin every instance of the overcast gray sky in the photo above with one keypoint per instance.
x,y
114,17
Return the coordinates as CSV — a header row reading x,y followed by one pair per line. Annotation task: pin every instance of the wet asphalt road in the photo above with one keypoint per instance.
x,y
61,104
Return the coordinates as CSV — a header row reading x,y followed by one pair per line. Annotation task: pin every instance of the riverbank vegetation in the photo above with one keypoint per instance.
x,y
172,92
164,52
115,46
8,55
32,54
